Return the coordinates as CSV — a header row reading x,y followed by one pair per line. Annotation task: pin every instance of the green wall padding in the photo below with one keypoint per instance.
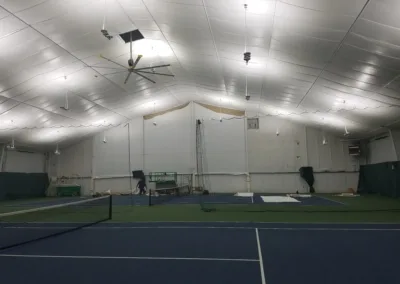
x,y
382,178
23,185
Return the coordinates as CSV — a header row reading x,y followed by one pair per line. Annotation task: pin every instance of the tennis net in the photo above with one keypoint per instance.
x,y
25,226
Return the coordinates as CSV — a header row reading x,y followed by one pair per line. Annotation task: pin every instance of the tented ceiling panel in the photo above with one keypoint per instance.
x,y
327,63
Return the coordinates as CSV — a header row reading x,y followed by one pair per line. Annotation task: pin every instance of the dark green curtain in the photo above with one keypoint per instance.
x,y
382,178
23,185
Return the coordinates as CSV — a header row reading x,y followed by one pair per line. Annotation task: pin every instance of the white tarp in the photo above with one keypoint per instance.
x,y
244,194
278,199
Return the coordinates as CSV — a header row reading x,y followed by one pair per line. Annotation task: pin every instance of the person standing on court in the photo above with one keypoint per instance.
x,y
142,186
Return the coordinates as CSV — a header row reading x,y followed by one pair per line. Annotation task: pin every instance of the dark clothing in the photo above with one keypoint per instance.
x,y
141,185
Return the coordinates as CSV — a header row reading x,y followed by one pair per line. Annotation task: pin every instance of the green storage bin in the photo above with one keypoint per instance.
x,y
68,190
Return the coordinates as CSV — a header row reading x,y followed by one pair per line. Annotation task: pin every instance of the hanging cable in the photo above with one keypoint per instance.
x,y
103,29
104,17
154,111
245,28
247,95
220,109
246,54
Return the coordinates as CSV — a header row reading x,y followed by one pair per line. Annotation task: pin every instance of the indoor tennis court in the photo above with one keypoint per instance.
x,y
211,252
199,141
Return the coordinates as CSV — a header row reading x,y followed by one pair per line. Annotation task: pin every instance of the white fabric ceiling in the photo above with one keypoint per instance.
x,y
329,63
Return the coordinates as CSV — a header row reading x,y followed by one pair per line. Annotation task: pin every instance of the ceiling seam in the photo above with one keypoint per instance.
x,y
347,86
31,26
154,20
310,9
335,52
214,42
272,30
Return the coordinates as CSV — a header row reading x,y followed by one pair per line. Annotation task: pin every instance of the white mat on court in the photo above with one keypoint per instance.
x,y
278,199
244,194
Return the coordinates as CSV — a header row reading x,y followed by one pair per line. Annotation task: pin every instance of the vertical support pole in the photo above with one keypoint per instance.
x,y
110,208
129,161
248,181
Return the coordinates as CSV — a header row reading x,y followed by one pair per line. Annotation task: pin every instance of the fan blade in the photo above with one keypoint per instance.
x,y
159,66
108,67
155,73
127,77
137,61
114,73
112,61
147,78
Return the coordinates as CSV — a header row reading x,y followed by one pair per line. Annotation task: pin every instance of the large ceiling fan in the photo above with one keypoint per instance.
x,y
131,68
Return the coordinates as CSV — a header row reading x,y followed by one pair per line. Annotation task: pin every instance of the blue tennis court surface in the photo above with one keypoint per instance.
x,y
222,199
207,253
143,200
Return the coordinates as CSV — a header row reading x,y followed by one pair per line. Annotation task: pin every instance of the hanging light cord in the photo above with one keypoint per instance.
x,y
246,54
245,27
105,11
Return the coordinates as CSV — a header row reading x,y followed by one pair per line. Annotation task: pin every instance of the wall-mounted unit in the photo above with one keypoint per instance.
x,y
253,123
354,150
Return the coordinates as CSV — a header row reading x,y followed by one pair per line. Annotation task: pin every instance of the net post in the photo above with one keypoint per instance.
x,y
149,197
110,208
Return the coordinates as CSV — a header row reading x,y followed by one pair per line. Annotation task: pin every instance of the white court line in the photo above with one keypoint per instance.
x,y
194,227
329,229
227,222
129,228
126,257
331,200
260,259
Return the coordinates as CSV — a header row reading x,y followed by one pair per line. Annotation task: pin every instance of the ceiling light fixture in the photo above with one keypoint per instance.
x,y
12,145
346,132
57,151
65,107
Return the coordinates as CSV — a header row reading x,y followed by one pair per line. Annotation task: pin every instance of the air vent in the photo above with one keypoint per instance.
x,y
253,123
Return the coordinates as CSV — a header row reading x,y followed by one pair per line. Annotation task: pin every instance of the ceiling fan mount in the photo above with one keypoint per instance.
x,y
131,68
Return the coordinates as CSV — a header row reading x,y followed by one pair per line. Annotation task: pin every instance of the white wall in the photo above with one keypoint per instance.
x,y
334,156
24,162
269,152
235,158
396,141
75,163
382,150
111,160
224,142
274,161
168,144
224,150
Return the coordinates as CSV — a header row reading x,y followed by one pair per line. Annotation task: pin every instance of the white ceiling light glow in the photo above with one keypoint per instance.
x,y
152,48
302,66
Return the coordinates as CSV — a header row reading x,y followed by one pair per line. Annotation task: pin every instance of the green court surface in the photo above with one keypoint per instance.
x,y
361,209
